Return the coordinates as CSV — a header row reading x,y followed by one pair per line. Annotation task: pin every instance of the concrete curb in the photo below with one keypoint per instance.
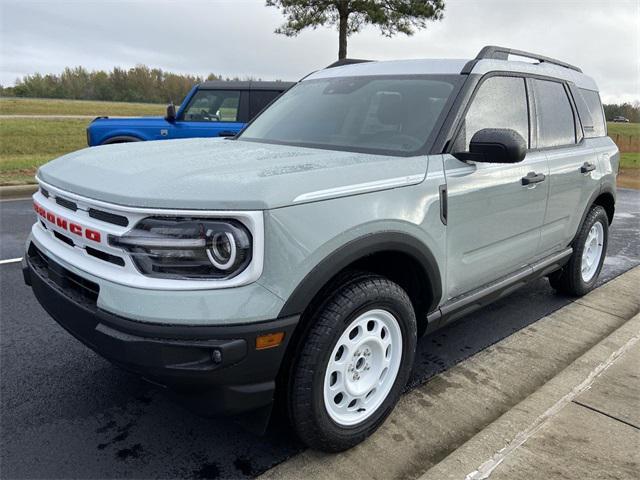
x,y
432,424
482,454
14,192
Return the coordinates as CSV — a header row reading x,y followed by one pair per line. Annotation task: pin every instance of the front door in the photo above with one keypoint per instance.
x,y
494,218
210,113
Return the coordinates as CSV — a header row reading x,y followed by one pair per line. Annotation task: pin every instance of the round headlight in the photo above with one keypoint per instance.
x,y
188,248
222,253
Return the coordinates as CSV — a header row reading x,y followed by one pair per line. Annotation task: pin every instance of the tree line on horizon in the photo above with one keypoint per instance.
x,y
154,85
631,111
137,84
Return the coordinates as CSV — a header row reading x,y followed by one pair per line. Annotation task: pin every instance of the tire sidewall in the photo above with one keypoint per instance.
x,y
347,436
596,215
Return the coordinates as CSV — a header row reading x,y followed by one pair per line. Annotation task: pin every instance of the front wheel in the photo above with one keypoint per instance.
x,y
580,274
354,364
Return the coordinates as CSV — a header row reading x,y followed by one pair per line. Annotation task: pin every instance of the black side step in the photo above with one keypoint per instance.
x,y
460,306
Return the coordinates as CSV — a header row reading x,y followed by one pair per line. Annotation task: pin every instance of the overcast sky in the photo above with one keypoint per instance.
x,y
235,37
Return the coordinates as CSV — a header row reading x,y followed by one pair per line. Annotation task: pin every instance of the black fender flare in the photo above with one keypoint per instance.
x,y
121,139
592,200
333,264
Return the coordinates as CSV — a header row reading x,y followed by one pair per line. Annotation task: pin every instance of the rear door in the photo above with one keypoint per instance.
x,y
212,113
494,220
573,165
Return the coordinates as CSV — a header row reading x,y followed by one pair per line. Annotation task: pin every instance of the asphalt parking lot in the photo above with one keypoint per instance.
x,y
68,413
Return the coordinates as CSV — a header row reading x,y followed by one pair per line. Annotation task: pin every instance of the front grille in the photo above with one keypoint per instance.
x,y
104,256
63,202
64,238
94,252
109,217
72,285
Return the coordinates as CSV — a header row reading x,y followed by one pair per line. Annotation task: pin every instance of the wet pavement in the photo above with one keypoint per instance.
x,y
66,412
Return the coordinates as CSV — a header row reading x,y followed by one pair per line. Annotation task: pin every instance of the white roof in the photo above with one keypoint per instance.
x,y
547,69
454,67
392,67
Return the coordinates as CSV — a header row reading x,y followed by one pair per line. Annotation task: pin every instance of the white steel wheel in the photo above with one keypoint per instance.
x,y
363,367
592,252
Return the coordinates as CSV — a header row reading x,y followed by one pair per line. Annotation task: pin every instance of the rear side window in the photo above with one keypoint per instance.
x,y
260,99
556,123
589,106
500,102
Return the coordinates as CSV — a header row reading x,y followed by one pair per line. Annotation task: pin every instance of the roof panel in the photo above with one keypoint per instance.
x,y
393,67
454,66
244,85
547,69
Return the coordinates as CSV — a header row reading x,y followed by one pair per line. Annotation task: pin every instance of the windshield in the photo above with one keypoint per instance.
x,y
391,115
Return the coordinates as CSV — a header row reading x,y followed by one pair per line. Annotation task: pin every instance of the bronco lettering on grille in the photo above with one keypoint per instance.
x,y
68,225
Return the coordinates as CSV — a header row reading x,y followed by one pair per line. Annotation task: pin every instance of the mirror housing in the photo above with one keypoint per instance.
x,y
171,113
495,145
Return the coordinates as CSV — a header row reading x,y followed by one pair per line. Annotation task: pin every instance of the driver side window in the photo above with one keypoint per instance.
x,y
213,106
500,102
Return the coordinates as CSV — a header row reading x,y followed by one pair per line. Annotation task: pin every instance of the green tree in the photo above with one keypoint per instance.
x,y
630,111
390,16
137,84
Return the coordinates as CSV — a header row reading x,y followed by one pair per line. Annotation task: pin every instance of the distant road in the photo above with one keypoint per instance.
x,y
58,117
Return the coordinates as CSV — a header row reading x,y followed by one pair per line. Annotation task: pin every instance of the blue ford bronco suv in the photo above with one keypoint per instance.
x,y
300,261
210,109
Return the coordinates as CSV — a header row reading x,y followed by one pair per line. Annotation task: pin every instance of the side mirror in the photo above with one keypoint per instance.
x,y
171,113
495,145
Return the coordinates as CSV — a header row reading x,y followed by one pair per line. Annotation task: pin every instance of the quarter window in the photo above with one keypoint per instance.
x,y
501,102
556,123
591,102
260,99
213,106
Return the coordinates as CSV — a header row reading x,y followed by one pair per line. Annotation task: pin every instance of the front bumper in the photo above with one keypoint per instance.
x,y
214,368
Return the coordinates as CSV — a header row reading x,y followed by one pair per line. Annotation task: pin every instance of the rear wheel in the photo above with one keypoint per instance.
x,y
354,364
580,274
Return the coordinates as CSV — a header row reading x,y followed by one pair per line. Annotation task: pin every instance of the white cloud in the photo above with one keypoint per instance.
x,y
236,37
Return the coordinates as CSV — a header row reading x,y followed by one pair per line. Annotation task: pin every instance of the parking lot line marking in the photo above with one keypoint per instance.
x,y
10,260
21,199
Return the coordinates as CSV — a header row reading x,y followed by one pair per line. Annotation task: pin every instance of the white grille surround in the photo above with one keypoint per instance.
x,y
128,274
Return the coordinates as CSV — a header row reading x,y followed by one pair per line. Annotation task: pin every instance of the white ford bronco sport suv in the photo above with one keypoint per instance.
x,y
371,203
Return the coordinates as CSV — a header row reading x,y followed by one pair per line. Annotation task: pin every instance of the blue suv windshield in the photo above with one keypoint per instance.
x,y
390,115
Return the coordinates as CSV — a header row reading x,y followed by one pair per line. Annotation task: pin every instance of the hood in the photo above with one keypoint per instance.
x,y
127,121
204,173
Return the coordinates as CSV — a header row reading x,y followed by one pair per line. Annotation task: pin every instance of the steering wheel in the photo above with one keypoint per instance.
x,y
206,115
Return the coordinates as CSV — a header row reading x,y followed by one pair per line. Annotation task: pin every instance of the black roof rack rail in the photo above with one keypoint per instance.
x,y
346,61
502,53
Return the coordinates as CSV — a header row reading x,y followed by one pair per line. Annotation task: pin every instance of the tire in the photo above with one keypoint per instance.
x,y
570,279
346,353
122,139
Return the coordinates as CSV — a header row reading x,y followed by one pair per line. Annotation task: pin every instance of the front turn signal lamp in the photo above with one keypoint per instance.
x,y
269,340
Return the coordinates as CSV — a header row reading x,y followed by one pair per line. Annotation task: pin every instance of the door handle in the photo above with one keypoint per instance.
x,y
587,167
532,178
227,134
